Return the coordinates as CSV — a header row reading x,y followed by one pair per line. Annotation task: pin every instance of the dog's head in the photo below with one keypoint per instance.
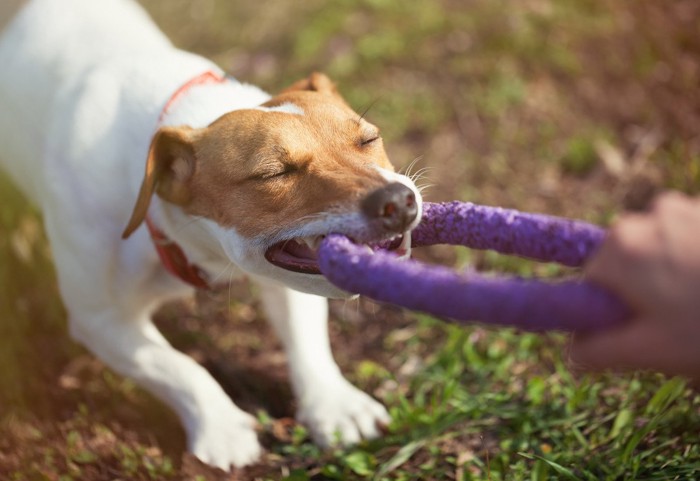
x,y
276,179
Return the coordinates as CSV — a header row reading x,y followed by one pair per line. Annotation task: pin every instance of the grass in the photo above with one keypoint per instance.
x,y
577,107
502,405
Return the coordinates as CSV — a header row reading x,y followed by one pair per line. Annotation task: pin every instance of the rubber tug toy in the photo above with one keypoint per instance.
x,y
526,303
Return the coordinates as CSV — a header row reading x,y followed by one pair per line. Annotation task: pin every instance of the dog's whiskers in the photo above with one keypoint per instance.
x,y
423,187
223,272
409,168
196,222
420,174
230,281
364,112
313,217
193,221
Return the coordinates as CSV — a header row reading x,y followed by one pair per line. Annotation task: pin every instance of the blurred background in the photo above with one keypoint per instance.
x,y
582,108
569,98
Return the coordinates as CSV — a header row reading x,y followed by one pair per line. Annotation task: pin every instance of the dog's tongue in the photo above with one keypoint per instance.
x,y
300,251
299,257
294,256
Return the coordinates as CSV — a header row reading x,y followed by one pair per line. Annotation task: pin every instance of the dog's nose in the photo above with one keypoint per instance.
x,y
394,204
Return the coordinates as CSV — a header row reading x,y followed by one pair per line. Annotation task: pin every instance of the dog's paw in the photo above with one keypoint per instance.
x,y
342,414
227,440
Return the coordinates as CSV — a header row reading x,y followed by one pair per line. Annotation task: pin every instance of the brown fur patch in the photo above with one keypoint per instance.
x,y
262,171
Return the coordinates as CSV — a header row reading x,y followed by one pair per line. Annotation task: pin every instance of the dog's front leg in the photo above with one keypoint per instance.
x,y
334,410
218,432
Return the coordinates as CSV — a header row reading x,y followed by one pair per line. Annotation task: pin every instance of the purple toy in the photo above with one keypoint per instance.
x,y
529,304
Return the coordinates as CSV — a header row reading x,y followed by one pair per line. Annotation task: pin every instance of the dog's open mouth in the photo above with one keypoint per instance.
x,y
300,253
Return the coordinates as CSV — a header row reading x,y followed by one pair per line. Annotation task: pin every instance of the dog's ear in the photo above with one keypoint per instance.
x,y
316,82
169,167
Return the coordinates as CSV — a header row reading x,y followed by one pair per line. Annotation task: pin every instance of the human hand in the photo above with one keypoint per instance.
x,y
652,262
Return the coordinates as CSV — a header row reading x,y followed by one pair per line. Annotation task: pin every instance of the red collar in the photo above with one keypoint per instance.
x,y
171,255
208,77
174,259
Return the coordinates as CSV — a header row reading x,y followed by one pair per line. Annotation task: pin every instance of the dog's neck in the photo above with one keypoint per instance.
x,y
201,104
198,238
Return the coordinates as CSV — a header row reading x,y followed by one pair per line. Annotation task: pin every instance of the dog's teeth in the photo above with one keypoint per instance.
x,y
405,248
310,241
406,241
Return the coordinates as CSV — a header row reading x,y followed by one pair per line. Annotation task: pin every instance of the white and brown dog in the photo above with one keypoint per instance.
x,y
92,94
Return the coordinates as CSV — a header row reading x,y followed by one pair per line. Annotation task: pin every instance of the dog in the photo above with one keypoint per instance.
x,y
156,174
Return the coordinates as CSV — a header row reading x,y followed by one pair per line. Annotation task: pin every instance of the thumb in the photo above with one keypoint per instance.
x,y
638,345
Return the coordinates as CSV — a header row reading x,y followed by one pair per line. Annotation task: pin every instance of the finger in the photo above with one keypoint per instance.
x,y
621,247
637,346
678,218
671,200
623,257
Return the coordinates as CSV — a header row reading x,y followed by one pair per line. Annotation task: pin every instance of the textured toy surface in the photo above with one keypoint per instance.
x,y
530,304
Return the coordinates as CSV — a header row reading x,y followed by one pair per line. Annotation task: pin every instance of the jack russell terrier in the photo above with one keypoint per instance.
x,y
104,124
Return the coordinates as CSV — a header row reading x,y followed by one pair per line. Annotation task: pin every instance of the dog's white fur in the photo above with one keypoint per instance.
x,y
82,85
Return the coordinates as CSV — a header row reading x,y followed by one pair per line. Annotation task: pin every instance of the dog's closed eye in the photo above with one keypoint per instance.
x,y
368,141
272,170
369,134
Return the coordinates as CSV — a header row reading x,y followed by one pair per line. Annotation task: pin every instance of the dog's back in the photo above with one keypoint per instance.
x,y
46,51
